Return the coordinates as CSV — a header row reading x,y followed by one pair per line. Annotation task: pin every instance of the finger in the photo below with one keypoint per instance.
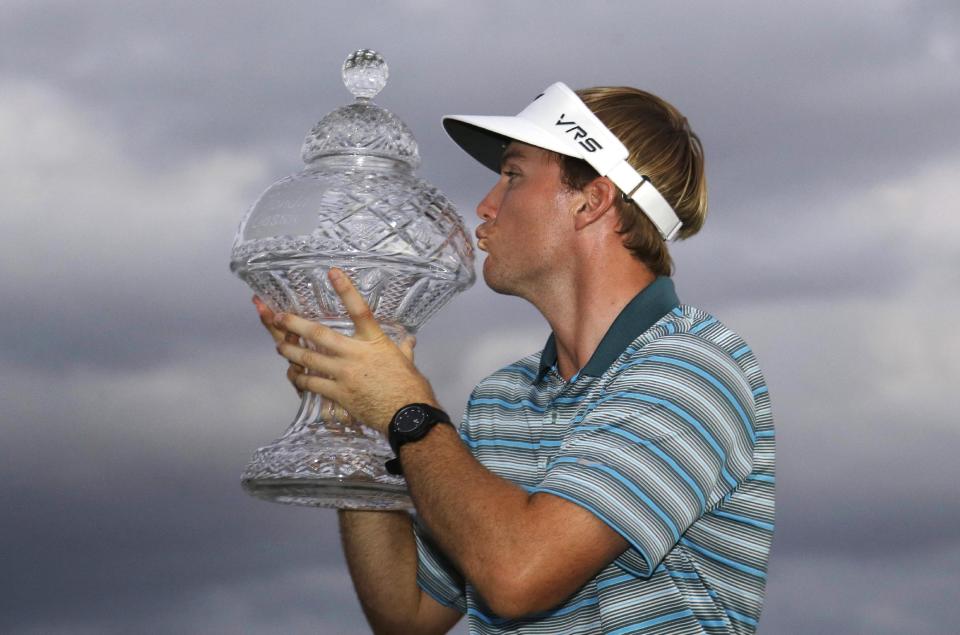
x,y
294,371
309,360
406,346
318,385
324,337
266,318
365,325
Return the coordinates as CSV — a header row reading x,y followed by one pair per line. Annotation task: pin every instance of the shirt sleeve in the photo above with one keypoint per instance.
x,y
436,575
664,442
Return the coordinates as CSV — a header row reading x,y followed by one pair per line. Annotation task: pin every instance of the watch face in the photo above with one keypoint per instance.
x,y
409,419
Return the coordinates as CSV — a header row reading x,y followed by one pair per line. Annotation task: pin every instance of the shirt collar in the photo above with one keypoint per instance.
x,y
643,311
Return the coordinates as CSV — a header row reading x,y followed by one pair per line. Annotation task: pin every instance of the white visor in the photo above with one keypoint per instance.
x,y
559,121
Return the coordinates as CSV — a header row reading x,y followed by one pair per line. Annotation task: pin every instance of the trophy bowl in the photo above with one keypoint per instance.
x,y
357,205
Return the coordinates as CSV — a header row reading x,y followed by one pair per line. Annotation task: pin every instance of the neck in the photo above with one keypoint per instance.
x,y
581,310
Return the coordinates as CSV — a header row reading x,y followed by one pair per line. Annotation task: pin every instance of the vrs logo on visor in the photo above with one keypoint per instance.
x,y
589,144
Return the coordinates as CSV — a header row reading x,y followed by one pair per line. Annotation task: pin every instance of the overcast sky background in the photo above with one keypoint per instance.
x,y
135,379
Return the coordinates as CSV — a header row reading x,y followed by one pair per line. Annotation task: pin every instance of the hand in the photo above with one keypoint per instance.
x,y
266,318
367,374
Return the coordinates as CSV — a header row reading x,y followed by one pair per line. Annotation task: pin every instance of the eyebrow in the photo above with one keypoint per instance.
x,y
510,153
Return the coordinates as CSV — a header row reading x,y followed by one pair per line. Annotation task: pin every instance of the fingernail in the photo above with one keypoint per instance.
x,y
278,318
336,275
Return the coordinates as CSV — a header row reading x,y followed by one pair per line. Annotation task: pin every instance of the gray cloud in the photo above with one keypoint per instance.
x,y
135,379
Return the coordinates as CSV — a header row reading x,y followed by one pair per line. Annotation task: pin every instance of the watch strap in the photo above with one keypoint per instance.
x,y
398,437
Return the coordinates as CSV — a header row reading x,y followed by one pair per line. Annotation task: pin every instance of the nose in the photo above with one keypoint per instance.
x,y
487,208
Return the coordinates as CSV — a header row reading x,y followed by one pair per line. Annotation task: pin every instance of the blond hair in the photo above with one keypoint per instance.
x,y
663,148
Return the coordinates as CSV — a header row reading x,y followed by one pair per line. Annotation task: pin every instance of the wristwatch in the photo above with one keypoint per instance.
x,y
411,423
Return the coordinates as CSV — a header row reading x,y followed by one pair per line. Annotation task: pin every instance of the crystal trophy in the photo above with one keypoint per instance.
x,y
359,206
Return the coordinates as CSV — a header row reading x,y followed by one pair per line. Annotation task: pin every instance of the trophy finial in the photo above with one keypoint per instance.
x,y
365,73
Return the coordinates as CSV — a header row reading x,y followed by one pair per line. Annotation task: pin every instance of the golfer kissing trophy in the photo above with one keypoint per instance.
x,y
358,206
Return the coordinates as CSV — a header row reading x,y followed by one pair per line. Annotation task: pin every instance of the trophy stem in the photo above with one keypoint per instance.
x,y
326,458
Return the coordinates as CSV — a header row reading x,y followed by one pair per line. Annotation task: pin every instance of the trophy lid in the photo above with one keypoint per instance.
x,y
362,128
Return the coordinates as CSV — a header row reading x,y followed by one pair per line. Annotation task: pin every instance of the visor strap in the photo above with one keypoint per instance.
x,y
641,191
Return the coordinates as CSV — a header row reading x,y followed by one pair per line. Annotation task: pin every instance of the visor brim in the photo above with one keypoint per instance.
x,y
486,137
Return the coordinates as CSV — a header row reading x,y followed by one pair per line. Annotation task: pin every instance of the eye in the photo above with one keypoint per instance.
x,y
510,174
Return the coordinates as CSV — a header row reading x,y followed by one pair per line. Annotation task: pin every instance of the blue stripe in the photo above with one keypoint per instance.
x,y
765,433
596,512
629,485
699,327
678,312
634,572
493,621
685,575
573,379
670,617
683,414
603,584
712,623
670,328
740,352
739,566
743,519
566,400
506,443
716,384
657,451
522,370
436,597
510,405
759,391
567,609
740,617
762,477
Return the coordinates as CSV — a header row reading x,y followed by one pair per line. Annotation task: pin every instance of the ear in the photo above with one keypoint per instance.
x,y
599,198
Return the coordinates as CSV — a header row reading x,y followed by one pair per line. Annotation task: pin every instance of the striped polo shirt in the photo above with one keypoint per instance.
x,y
666,435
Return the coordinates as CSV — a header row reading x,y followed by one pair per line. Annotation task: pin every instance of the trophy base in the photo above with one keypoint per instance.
x,y
330,493
316,466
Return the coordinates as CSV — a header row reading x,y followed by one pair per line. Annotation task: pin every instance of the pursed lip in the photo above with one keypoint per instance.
x,y
482,235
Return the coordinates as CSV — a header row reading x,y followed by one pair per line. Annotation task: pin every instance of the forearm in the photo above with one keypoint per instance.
x,y
478,518
382,556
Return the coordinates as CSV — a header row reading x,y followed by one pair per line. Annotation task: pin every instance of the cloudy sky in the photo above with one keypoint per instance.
x,y
135,379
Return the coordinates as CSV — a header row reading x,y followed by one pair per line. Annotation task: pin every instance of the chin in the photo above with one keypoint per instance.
x,y
496,283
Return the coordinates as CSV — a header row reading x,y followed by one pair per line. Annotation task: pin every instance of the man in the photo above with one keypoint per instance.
x,y
619,481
